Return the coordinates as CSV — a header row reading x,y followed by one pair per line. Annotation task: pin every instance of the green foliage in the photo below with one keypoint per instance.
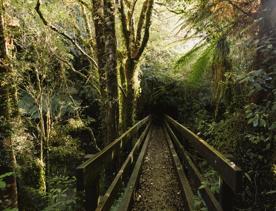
x,y
62,195
191,55
2,177
197,62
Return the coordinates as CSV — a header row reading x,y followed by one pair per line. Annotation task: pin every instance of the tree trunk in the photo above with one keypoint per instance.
x,y
135,43
7,158
129,100
111,71
98,18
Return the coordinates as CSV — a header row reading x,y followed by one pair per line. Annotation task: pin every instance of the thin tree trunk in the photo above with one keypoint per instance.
x,y
97,14
7,157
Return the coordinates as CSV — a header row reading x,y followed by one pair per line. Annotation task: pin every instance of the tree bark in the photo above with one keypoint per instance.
x,y
111,71
106,44
7,158
98,18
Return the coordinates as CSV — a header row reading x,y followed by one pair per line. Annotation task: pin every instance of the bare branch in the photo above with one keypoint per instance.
x,y
63,34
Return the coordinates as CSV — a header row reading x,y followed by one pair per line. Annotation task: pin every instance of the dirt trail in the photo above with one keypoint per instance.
x,y
158,187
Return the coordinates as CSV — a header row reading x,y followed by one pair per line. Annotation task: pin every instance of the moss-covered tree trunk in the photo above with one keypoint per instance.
x,y
98,19
111,71
220,66
129,98
136,39
106,47
8,196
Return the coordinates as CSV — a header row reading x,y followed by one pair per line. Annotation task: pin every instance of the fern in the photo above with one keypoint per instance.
x,y
188,57
198,61
202,64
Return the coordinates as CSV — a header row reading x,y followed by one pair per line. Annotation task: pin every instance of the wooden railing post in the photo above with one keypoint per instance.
x,y
88,193
92,193
227,197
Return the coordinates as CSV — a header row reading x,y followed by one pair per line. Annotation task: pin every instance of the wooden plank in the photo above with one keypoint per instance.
x,y
185,185
228,170
131,186
209,199
110,195
93,166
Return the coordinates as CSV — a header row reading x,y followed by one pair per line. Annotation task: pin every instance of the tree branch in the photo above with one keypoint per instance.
x,y
124,26
147,28
63,34
141,22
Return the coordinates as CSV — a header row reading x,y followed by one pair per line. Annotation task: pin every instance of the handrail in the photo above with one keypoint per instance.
x,y
88,172
108,153
183,179
210,200
107,199
228,170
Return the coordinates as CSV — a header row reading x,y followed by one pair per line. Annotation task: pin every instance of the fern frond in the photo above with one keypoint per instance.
x,y
188,57
202,64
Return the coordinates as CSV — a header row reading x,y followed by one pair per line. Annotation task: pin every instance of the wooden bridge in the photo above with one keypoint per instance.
x,y
126,170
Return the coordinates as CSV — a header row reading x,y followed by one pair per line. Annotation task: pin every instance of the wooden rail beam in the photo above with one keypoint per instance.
x,y
90,168
88,172
109,197
210,200
229,171
184,182
131,186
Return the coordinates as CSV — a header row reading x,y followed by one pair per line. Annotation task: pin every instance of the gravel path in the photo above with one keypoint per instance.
x,y
158,187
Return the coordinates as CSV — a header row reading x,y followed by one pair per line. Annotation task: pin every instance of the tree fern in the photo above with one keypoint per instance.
x,y
188,57
202,64
197,61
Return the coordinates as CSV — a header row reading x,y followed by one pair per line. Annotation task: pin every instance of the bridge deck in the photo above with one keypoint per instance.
x,y
152,176
158,187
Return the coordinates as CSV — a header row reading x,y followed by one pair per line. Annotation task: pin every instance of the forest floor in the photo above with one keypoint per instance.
x,y
158,187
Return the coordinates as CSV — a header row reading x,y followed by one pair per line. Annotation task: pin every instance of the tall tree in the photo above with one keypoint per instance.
x,y
111,70
135,39
8,197
106,48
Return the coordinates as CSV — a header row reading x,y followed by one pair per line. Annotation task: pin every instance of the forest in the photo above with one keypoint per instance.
x,y
77,74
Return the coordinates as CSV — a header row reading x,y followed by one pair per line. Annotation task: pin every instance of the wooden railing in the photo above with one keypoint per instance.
x,y
89,173
229,172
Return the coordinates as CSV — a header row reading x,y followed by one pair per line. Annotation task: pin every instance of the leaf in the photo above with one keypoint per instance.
x,y
255,122
2,185
184,60
248,177
6,175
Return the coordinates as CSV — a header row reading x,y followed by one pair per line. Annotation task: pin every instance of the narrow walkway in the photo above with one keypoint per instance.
x,y
158,188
